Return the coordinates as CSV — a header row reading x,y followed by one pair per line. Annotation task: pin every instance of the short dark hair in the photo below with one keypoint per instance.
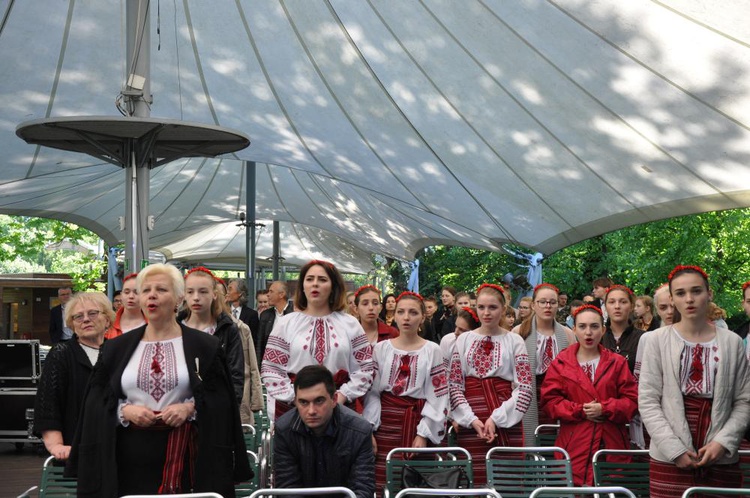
x,y
261,292
602,282
312,375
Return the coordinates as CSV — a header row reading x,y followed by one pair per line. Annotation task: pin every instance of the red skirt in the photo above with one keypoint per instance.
x,y
484,396
668,481
399,417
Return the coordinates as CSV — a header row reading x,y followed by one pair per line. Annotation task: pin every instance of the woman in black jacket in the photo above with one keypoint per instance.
x,y
67,369
204,311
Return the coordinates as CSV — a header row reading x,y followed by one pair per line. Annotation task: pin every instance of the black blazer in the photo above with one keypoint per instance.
x,y
56,324
267,319
250,317
221,458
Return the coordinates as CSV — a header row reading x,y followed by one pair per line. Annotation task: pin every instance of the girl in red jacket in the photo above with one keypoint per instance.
x,y
593,394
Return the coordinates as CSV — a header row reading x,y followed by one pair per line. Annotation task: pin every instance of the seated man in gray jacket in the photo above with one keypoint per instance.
x,y
320,443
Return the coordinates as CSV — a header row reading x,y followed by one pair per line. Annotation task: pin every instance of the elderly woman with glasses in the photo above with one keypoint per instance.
x,y
67,370
160,414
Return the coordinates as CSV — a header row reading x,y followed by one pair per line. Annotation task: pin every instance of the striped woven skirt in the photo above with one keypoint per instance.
x,y
399,417
484,396
668,481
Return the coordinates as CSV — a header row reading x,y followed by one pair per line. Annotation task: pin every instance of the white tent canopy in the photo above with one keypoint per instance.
x,y
385,126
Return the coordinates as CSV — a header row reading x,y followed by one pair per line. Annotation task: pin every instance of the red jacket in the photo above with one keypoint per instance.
x,y
564,391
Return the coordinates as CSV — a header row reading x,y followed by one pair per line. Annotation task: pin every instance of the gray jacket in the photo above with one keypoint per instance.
x,y
349,460
661,404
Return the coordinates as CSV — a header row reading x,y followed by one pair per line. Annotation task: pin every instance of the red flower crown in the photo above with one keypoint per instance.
x,y
575,312
128,277
366,288
619,287
320,262
679,268
220,281
409,293
549,286
745,285
490,286
471,312
201,269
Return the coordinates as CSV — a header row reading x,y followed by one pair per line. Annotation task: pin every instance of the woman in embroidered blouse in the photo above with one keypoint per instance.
x,y
67,369
367,305
490,382
204,311
591,391
129,316
544,338
164,374
694,393
408,402
320,333
621,336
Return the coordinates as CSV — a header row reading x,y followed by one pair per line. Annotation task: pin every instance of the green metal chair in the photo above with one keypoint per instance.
x,y
54,484
248,487
517,471
486,492
425,461
546,434
633,475
556,492
715,491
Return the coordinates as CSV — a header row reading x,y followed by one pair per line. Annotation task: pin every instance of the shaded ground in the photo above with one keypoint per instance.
x,y
20,469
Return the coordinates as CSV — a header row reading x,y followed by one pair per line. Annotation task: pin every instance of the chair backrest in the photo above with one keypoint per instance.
x,y
332,490
706,491
251,436
204,494
516,472
490,493
54,484
248,487
745,466
546,434
627,468
425,461
556,492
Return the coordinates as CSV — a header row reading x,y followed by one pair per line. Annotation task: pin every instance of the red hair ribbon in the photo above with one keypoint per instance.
x,y
585,307
679,268
745,285
320,262
409,293
220,281
200,269
493,287
471,312
132,275
549,286
366,288
619,287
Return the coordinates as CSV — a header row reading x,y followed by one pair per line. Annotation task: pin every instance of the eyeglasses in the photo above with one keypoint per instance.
x,y
544,304
91,315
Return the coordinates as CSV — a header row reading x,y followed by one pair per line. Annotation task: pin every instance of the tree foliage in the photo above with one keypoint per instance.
x,y
640,257
25,249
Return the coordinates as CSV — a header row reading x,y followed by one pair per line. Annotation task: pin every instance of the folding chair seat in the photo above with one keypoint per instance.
x,y
516,471
425,461
632,475
54,484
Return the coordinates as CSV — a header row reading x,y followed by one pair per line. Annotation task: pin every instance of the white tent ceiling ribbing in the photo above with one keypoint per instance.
x,y
382,127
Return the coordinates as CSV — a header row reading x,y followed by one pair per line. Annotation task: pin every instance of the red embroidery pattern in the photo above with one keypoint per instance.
x,y
588,369
480,356
320,341
439,380
402,368
523,374
547,353
157,370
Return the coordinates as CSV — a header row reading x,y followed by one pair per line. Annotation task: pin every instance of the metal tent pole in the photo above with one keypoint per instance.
x,y
250,232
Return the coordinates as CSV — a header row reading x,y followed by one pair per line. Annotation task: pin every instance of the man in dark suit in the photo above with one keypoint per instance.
x,y
237,299
278,305
58,331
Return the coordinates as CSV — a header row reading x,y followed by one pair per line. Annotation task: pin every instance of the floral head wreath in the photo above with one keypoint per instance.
x,y
491,286
408,294
549,286
128,277
471,312
200,269
366,288
220,281
620,287
679,268
745,285
324,264
585,307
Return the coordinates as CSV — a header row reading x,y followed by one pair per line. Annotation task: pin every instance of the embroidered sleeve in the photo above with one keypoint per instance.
x,y
512,410
435,410
274,370
461,412
361,366
372,398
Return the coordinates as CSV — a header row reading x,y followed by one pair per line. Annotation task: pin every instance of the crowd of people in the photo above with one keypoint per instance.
x,y
350,376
